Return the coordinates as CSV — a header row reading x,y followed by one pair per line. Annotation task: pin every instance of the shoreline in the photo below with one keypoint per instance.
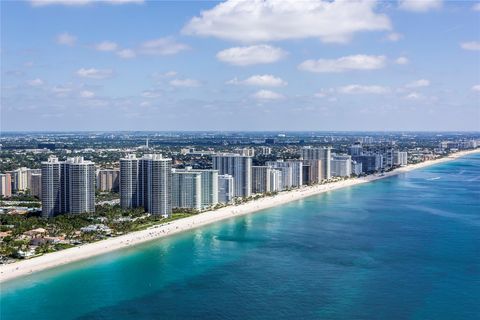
x,y
59,258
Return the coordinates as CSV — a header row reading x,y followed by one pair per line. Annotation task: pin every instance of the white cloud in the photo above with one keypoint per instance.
x,y
402,61
355,62
87,94
35,82
185,83
78,3
265,80
151,94
162,75
66,39
106,46
61,91
414,96
93,73
418,83
162,46
273,20
267,95
420,5
476,7
476,88
394,36
472,45
361,89
126,53
245,56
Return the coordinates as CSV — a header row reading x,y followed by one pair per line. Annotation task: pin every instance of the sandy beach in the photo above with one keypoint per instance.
x,y
25,267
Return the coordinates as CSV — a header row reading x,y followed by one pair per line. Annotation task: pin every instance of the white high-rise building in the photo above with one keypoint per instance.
x,y
324,154
226,188
261,179
400,158
238,166
292,172
341,166
209,185
67,186
147,183
186,189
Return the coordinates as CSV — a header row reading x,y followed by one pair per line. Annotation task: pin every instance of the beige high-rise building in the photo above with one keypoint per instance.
x,y
5,185
108,180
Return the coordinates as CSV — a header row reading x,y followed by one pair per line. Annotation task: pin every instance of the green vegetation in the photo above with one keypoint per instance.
x,y
65,231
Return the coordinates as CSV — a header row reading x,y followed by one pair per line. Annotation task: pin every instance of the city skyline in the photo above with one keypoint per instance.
x,y
356,66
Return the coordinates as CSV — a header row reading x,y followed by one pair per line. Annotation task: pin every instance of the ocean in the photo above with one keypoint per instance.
x,y
404,247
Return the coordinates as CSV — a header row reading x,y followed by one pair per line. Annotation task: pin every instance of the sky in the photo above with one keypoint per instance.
x,y
284,65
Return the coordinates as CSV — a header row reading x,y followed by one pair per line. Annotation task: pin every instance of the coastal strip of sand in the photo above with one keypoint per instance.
x,y
51,260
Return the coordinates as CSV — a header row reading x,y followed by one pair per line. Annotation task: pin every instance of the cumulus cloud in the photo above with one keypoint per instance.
x,y
106,46
273,20
414,96
267,95
126,53
93,73
476,88
394,36
66,39
420,5
348,63
362,89
418,83
245,56
265,80
87,94
78,3
35,82
162,46
471,45
185,83
402,61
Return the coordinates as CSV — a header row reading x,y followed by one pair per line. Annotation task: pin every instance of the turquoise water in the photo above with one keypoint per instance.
x,y
406,247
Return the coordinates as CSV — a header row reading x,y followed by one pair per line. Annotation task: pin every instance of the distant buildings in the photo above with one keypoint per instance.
x,y
264,151
239,167
355,150
226,192
67,186
108,180
324,154
146,182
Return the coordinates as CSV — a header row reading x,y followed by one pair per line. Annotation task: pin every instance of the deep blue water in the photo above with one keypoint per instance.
x,y
406,247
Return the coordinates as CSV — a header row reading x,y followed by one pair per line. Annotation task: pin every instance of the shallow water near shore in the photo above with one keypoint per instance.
x,y
405,247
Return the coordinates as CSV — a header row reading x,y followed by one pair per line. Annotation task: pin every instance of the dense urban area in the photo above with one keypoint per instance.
x,y
59,190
